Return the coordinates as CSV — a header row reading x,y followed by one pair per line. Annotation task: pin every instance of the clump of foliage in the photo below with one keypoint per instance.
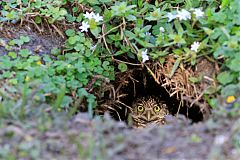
x,y
104,37
70,72
225,41
106,32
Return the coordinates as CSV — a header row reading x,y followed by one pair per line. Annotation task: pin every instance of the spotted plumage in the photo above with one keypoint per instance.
x,y
148,110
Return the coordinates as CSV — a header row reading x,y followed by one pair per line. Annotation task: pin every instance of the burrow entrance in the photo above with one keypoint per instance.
x,y
153,81
143,85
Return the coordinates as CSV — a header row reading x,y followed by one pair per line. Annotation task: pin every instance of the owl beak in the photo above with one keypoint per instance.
x,y
148,116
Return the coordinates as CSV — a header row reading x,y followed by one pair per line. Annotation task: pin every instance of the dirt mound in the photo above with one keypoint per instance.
x,y
40,43
82,138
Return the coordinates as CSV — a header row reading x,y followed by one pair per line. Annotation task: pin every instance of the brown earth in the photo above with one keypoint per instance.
x,y
82,138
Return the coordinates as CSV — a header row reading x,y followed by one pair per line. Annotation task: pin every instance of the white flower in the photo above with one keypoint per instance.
x,y
198,13
195,46
93,47
97,17
89,15
94,16
84,27
148,34
162,29
170,16
144,56
183,15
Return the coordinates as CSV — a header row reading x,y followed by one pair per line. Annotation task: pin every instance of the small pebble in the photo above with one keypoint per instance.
x,y
220,140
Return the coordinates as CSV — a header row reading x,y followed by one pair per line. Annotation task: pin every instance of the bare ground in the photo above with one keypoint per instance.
x,y
103,139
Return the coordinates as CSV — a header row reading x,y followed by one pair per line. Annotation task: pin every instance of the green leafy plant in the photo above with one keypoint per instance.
x,y
103,32
74,70
224,36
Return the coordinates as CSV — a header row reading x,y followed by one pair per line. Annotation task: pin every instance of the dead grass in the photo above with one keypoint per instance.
x,y
178,85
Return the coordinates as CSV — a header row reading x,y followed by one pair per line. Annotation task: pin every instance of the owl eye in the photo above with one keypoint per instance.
x,y
156,109
140,108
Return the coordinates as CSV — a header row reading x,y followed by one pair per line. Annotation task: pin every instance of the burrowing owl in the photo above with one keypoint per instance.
x,y
148,110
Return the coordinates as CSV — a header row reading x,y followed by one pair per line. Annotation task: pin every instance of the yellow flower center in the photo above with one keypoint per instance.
x,y
230,99
27,79
39,62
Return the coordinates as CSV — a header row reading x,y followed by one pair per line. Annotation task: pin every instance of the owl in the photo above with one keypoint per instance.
x,y
148,110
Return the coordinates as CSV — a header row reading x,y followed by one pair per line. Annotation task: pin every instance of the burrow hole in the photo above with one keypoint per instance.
x,y
142,84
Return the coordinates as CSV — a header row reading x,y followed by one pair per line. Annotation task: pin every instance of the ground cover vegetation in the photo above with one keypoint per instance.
x,y
99,39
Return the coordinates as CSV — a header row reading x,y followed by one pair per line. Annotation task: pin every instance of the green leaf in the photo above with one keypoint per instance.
x,y
122,67
131,18
70,18
129,34
24,38
106,65
66,101
5,63
230,89
10,15
224,3
95,31
93,2
82,92
234,64
120,52
12,42
92,23
208,31
175,67
215,33
178,51
38,19
144,43
105,1
210,90
121,9
146,28
73,40
225,77
24,53
13,81
7,74
75,9
55,51
70,32
62,12
12,55
60,97
179,28
91,104
79,47
154,16
177,38
194,79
